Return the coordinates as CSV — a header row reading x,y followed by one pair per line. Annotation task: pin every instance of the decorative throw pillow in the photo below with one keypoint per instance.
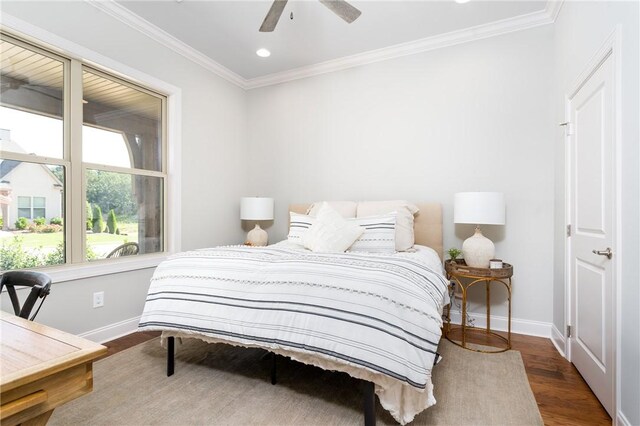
x,y
404,219
299,224
379,234
331,233
347,209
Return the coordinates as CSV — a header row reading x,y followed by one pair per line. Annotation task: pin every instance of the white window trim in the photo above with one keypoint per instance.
x,y
69,272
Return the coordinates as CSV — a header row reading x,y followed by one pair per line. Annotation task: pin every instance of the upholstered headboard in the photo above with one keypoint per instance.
x,y
427,224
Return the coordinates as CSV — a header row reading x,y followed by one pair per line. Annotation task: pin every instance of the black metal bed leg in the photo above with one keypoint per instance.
x,y
170,355
369,404
274,358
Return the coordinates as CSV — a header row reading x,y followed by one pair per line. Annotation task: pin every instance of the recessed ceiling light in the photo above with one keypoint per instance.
x,y
461,1
263,53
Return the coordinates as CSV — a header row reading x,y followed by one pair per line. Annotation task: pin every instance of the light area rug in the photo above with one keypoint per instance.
x,y
225,385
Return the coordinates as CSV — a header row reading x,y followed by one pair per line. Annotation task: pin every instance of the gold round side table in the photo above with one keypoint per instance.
x,y
466,277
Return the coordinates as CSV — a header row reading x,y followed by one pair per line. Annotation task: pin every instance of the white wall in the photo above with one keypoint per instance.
x,y
471,117
213,152
69,306
580,31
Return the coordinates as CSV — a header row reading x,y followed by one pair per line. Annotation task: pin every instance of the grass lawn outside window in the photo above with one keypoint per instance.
x,y
101,243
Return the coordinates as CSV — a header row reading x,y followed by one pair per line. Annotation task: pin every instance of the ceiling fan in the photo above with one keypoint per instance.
x,y
340,7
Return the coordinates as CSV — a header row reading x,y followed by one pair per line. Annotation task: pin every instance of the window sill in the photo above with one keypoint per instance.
x,y
98,268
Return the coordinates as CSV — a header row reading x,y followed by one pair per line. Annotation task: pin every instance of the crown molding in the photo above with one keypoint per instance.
x,y
518,23
145,27
552,8
492,29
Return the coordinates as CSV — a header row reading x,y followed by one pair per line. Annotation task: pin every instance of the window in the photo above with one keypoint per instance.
x,y
68,128
24,207
32,207
122,151
38,207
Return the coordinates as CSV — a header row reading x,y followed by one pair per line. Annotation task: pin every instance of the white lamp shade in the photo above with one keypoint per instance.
x,y
256,208
479,208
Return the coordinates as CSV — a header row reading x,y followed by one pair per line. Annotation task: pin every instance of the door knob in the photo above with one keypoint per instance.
x,y
606,252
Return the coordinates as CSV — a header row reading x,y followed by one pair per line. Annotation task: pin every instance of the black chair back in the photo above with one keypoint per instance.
x,y
39,282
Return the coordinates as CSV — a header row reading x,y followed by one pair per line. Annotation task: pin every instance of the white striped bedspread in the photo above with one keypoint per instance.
x,y
376,317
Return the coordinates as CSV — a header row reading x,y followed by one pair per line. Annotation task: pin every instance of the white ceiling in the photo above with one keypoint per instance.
x,y
227,31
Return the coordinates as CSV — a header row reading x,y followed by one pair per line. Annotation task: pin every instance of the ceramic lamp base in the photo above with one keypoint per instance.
x,y
257,236
478,250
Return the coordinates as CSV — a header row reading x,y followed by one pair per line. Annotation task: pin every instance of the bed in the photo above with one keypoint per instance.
x,y
377,317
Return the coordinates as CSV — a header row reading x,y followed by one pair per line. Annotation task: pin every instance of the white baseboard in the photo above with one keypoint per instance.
x,y
519,326
621,420
558,341
112,331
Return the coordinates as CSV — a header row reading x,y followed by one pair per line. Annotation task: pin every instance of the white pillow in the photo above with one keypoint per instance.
x,y
347,209
379,234
404,219
299,224
331,233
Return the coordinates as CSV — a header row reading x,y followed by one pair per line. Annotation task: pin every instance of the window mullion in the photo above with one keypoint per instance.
x,y
30,158
76,196
116,169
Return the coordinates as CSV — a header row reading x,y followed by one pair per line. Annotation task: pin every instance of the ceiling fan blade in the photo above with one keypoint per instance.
x,y
271,20
342,9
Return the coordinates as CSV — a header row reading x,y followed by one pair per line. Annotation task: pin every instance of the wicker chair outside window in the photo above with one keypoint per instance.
x,y
40,284
126,249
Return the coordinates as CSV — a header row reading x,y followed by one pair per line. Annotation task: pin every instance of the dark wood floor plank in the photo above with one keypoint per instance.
x,y
562,395
128,341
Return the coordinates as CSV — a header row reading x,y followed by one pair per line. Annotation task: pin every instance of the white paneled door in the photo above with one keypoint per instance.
x,y
592,192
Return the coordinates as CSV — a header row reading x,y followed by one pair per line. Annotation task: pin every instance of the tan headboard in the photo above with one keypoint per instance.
x,y
427,224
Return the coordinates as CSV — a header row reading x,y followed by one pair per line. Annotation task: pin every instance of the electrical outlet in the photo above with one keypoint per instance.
x,y
98,299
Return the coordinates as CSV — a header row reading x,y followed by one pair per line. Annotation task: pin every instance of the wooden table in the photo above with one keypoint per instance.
x,y
40,369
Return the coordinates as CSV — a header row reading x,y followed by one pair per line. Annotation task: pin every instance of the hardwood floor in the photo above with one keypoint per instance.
x,y
128,341
563,396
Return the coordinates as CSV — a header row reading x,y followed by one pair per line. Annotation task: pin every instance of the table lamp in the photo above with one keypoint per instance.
x,y
479,208
256,208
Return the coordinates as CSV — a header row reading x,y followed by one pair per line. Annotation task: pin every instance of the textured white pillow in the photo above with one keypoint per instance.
x,y
347,209
379,234
331,233
404,220
299,224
